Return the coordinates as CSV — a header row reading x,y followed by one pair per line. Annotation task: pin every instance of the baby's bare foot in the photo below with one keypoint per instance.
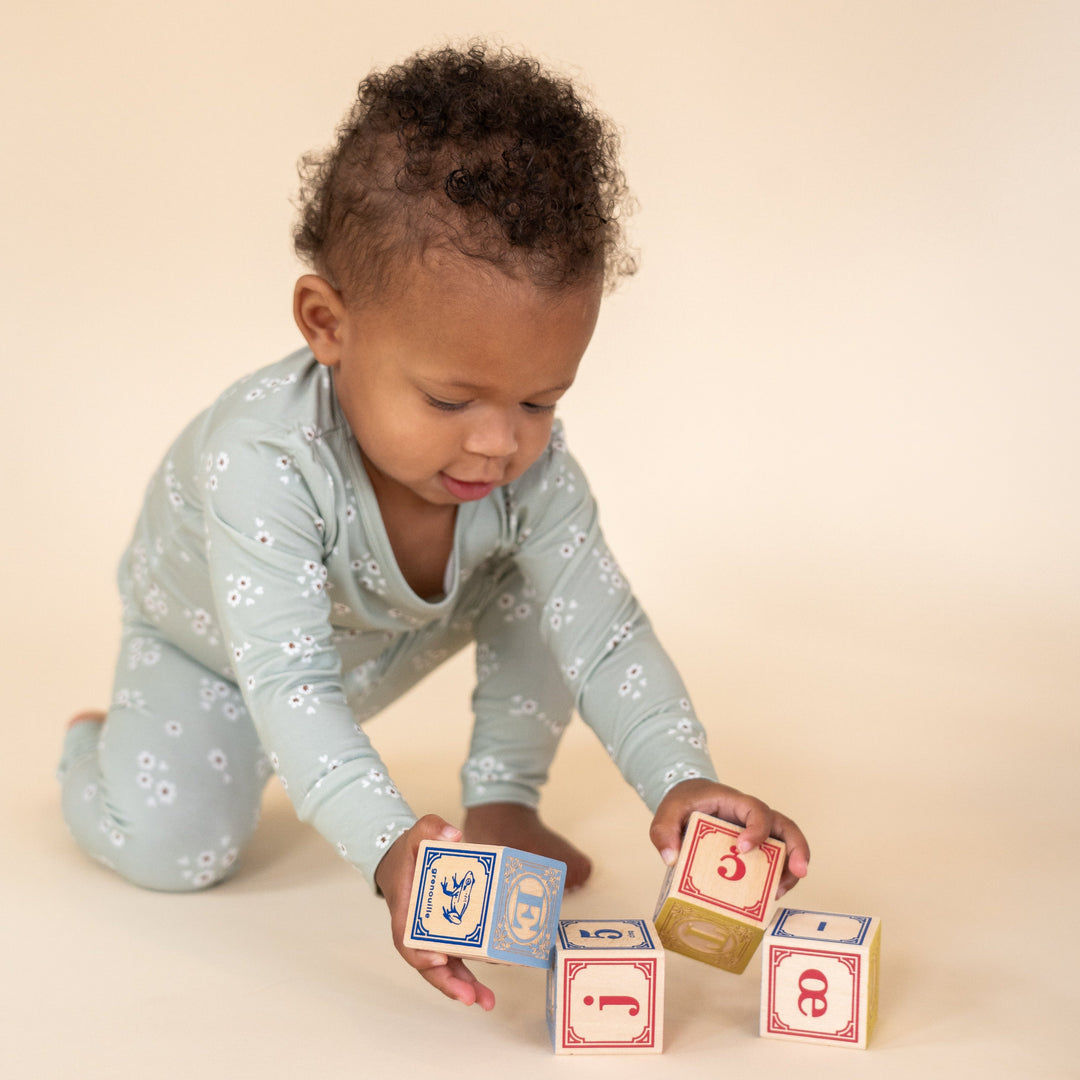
x,y
94,715
514,825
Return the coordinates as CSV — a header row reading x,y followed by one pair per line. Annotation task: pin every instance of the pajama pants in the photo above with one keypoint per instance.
x,y
167,791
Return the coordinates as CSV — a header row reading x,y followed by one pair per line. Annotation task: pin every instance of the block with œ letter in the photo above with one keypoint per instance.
x,y
819,977
486,902
606,988
716,900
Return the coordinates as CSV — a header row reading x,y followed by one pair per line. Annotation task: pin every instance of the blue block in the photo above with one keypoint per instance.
x,y
491,903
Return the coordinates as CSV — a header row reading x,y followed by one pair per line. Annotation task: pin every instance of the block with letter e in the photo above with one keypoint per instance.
x,y
606,988
485,902
716,900
819,977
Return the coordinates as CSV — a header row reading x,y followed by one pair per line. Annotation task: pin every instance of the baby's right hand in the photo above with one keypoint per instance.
x,y
394,877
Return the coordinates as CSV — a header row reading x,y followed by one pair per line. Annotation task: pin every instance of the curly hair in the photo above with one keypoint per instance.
x,y
476,151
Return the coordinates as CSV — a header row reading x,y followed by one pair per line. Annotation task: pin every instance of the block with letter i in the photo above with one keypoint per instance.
x,y
819,978
716,900
606,988
485,902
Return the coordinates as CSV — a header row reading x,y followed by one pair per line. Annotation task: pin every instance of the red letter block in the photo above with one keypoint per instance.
x,y
606,988
715,901
819,978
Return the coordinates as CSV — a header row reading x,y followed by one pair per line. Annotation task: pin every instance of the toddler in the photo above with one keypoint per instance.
x,y
337,524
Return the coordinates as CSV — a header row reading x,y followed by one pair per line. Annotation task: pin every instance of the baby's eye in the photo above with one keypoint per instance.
x,y
445,406
528,406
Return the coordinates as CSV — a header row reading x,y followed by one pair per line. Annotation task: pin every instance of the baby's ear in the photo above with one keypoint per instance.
x,y
318,310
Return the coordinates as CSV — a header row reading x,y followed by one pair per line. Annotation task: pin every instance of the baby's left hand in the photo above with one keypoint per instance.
x,y
726,803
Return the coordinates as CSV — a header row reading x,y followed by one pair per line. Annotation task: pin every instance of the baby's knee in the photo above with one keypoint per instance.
x,y
170,864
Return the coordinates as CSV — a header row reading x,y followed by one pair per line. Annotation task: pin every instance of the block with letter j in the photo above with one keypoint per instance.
x,y
716,900
485,902
606,988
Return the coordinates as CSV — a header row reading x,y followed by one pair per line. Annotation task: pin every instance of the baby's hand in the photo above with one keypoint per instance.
x,y
394,877
730,805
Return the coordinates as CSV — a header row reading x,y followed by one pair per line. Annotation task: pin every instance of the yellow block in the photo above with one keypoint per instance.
x,y
707,935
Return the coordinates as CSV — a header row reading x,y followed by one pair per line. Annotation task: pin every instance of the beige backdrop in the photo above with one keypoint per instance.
x,y
833,426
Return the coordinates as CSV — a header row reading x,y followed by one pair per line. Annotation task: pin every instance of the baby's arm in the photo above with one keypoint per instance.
x,y
394,878
725,802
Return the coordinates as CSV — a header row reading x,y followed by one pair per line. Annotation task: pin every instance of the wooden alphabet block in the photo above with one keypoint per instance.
x,y
486,902
715,900
819,978
606,988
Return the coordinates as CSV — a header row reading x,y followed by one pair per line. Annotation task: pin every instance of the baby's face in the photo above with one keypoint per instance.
x,y
449,382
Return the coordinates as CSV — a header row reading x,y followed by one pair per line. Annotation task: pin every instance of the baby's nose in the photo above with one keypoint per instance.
x,y
492,435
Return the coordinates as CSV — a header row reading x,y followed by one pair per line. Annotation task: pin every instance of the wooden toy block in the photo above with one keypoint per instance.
x,y
716,900
819,978
490,903
606,988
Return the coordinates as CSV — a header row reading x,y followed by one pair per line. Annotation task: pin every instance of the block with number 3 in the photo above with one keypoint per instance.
x,y
819,978
715,901
606,988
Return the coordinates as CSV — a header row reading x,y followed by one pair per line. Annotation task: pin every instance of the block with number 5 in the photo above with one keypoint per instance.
x,y
716,900
819,978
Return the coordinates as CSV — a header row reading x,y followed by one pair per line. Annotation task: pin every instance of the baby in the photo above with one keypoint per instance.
x,y
337,524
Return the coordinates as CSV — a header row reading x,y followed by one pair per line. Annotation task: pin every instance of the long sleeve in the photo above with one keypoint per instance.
x,y
268,519
624,684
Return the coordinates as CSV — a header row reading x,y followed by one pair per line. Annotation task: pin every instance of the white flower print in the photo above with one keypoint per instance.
x,y
174,729
486,770
146,760
313,578
145,781
254,394
221,462
166,791
125,698
243,591
218,759
689,731
573,671
284,461
487,661
634,683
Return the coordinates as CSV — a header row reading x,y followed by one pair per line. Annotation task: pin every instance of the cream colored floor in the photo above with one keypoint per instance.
x,y
966,851
833,429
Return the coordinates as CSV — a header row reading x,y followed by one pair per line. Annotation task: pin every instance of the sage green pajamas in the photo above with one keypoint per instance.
x,y
265,619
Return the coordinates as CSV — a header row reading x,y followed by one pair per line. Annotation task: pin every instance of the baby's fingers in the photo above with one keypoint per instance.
x,y
798,852
456,981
